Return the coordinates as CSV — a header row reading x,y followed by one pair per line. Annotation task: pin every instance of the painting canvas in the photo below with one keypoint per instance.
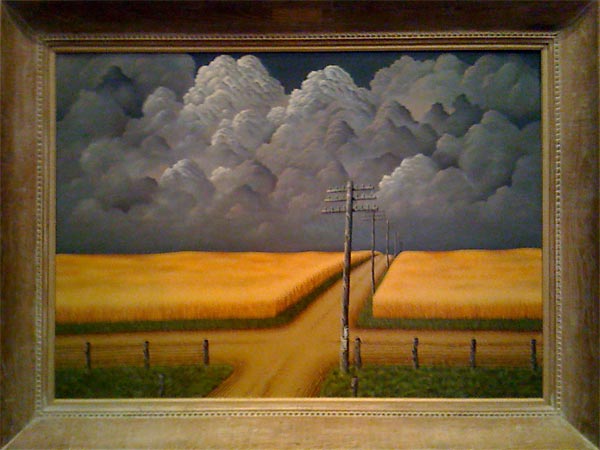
x,y
298,224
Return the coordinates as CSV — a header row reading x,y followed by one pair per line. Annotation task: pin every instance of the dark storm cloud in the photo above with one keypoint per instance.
x,y
154,155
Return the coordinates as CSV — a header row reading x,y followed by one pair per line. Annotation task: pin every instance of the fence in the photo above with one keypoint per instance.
x,y
416,353
468,360
419,352
144,353
480,352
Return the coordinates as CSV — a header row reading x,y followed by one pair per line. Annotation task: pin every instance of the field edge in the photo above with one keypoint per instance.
x,y
368,321
281,319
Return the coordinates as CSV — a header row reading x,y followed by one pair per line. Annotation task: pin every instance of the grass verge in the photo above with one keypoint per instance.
x,y
436,382
138,382
366,320
200,324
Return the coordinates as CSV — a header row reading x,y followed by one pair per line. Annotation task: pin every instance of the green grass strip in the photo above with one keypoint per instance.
x,y
284,317
436,382
138,382
366,320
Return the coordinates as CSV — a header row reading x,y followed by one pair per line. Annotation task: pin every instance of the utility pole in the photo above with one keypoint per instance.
x,y
373,252
387,243
398,245
352,194
374,216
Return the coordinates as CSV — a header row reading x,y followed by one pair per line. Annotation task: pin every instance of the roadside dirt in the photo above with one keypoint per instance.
x,y
291,360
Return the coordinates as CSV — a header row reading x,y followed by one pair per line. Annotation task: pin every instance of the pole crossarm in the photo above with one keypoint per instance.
x,y
355,208
364,196
359,187
342,198
333,210
365,208
335,199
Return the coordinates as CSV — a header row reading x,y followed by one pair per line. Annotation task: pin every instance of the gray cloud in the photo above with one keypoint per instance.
x,y
128,76
230,162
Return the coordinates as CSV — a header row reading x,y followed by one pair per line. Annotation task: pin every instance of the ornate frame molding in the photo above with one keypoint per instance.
x,y
543,42
551,407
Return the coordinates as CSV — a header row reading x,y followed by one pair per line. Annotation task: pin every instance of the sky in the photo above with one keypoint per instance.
x,y
235,152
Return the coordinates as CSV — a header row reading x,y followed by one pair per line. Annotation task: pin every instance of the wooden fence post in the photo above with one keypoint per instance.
x,y
534,364
472,356
354,386
146,354
357,355
415,353
205,355
88,356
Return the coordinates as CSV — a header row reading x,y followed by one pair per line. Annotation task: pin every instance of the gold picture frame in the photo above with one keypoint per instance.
x,y
567,416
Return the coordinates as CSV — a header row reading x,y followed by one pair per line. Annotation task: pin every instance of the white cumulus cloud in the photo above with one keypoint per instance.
x,y
230,162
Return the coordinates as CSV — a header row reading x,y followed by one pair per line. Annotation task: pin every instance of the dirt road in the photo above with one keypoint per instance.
x,y
291,360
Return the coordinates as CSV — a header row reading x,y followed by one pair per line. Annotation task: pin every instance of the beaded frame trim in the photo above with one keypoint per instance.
x,y
65,43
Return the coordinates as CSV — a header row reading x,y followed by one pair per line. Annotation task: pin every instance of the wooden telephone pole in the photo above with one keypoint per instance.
x,y
352,194
398,245
387,243
375,216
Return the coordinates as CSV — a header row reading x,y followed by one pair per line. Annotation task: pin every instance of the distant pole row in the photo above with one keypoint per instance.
x,y
375,216
398,244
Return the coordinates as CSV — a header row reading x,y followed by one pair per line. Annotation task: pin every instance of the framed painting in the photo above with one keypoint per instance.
x,y
190,206
313,227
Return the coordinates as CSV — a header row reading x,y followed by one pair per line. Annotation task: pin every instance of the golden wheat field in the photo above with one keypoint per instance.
x,y
462,284
187,285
